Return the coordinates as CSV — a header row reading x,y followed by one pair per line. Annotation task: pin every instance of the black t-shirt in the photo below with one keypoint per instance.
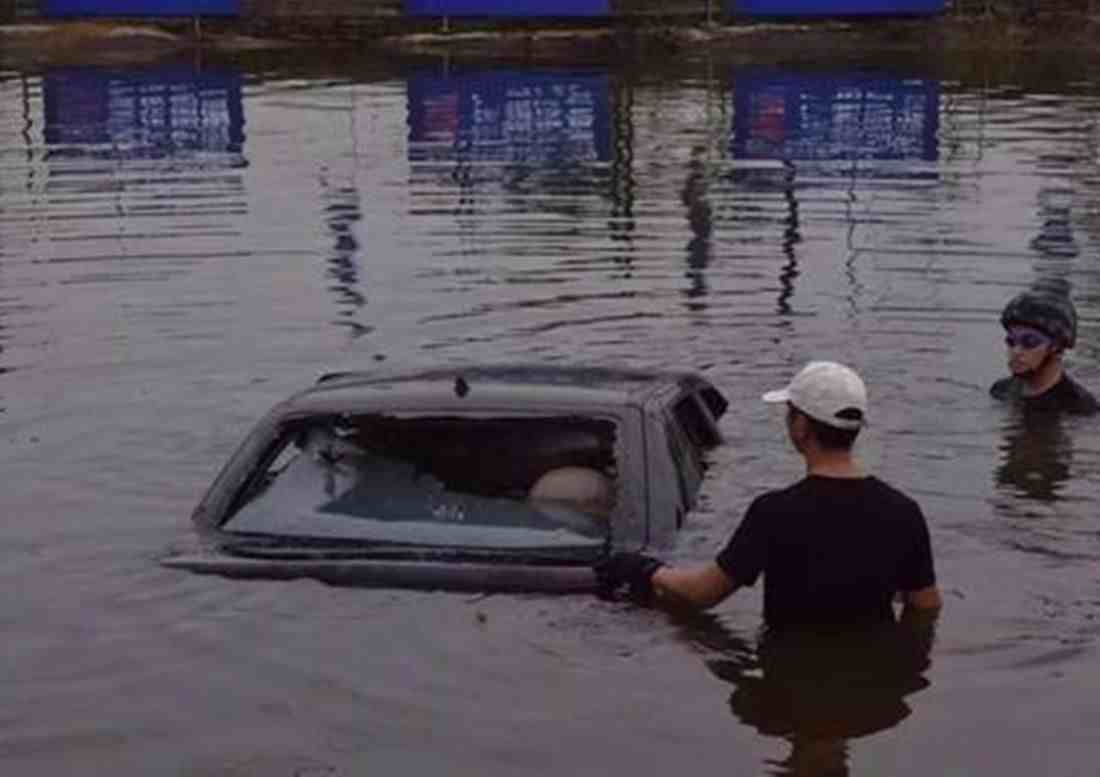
x,y
1067,395
832,551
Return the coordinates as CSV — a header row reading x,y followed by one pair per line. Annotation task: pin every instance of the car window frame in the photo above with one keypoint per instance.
x,y
680,453
271,437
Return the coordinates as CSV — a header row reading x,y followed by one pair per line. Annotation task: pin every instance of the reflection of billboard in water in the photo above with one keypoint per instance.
x,y
540,118
832,118
529,8
142,114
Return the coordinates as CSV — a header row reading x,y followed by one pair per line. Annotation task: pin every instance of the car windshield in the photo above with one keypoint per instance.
x,y
504,484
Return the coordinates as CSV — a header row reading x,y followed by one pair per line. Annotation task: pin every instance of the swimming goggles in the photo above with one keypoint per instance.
x,y
1026,339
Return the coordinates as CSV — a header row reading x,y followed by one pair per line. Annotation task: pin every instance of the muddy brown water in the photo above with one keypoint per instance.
x,y
181,247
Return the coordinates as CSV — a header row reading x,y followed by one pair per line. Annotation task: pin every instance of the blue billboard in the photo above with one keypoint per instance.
x,y
138,8
140,113
549,119
815,117
506,8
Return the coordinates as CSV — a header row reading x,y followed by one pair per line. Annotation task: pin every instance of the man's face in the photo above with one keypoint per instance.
x,y
1027,349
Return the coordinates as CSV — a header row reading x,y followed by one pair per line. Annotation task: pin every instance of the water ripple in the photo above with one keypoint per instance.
x,y
181,248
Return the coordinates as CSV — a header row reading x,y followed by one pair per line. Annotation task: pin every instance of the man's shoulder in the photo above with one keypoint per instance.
x,y
1078,398
891,493
811,488
776,496
1067,396
1005,388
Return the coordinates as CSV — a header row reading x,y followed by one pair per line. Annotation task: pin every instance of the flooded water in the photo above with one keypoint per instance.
x,y
180,247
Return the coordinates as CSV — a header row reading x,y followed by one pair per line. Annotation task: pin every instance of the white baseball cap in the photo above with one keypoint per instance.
x,y
828,392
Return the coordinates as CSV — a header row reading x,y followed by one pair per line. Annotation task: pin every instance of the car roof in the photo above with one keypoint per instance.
x,y
498,387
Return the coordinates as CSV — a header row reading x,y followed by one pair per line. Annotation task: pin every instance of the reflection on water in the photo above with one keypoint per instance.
x,y
141,174
1055,245
1055,239
818,691
1035,455
544,124
343,212
166,275
115,176
537,137
820,127
549,148
815,118
176,113
622,183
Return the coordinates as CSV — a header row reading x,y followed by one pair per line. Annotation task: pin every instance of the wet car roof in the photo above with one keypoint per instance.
x,y
498,387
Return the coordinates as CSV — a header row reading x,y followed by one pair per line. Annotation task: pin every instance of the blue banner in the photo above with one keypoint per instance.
x,y
142,113
137,8
851,116
544,118
505,8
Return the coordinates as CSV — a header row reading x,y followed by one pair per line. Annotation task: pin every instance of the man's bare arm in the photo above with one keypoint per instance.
x,y
699,587
927,598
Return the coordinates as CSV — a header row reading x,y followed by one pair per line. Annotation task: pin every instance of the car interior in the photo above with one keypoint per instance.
x,y
436,480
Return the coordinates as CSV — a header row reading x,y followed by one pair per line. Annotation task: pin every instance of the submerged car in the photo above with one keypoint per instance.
x,y
493,477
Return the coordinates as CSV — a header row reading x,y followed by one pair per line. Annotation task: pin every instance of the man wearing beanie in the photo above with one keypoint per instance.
x,y
1040,326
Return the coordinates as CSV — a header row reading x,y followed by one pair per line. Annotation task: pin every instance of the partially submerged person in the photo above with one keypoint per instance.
x,y
580,498
583,488
1040,326
837,547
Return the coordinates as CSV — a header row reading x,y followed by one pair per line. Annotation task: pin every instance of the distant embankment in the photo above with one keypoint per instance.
x,y
366,18
347,21
387,15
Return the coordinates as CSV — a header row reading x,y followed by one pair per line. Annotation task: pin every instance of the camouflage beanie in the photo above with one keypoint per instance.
x,y
1053,314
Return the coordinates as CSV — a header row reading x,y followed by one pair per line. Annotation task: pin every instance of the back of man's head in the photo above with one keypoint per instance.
x,y
832,397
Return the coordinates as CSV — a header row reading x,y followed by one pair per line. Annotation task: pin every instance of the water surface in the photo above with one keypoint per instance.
x,y
180,247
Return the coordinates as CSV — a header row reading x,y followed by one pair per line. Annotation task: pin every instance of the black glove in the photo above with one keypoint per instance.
x,y
630,569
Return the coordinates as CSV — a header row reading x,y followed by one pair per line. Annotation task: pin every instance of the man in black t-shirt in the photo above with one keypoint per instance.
x,y
1040,325
835,548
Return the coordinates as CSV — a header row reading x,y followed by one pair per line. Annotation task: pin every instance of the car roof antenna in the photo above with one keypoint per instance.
x,y
462,388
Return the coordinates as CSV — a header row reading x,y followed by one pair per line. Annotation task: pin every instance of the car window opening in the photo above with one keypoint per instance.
x,y
700,429
438,481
